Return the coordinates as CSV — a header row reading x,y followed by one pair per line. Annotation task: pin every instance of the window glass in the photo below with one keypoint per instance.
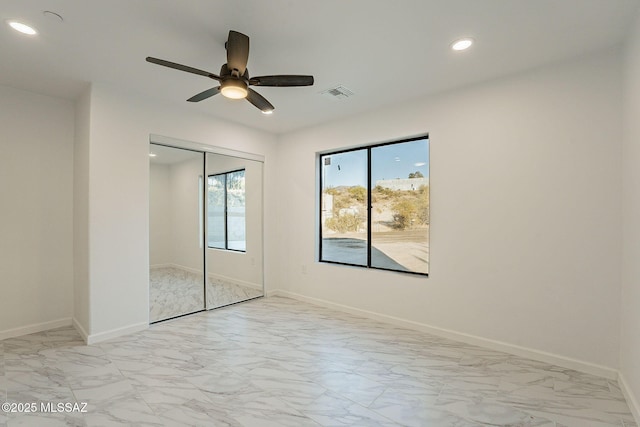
x,y
374,207
226,211
216,211
344,207
236,222
400,207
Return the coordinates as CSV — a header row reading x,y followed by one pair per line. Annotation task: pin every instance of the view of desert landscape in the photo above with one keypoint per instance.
x,y
385,188
399,226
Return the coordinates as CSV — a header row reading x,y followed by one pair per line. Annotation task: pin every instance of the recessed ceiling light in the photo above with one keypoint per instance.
x,y
267,112
152,154
462,44
23,28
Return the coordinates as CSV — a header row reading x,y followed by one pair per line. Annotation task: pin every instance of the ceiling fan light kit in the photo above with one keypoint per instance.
x,y
234,89
234,77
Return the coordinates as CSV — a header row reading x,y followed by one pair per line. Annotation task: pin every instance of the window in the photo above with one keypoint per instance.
x,y
374,206
226,206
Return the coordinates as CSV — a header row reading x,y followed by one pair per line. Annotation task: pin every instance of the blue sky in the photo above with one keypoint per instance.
x,y
387,162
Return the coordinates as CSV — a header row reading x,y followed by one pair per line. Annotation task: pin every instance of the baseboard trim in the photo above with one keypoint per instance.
x,y
114,333
178,266
155,266
78,327
541,356
211,275
630,397
35,328
185,268
234,281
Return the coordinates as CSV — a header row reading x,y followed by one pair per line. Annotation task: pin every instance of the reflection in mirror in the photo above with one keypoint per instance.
x,y
175,232
234,230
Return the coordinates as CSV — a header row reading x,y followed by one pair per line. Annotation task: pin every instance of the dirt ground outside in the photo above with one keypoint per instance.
x,y
408,247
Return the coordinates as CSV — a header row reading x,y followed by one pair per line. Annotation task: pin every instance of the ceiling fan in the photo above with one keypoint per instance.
x,y
234,77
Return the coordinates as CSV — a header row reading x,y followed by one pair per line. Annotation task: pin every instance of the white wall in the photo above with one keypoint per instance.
x,y
525,211
174,209
81,168
36,193
186,237
119,197
159,215
630,331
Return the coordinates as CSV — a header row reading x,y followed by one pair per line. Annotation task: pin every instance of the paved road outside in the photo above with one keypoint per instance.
x,y
398,250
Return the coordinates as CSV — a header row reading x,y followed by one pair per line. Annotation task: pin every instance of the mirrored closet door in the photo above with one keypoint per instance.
x,y
205,229
175,232
234,230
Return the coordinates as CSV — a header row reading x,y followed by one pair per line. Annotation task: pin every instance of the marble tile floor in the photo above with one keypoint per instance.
x,y
174,292
279,362
221,292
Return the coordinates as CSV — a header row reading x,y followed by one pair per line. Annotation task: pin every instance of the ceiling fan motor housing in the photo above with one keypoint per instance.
x,y
226,73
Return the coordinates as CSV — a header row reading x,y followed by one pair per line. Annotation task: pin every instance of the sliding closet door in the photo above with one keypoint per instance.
x,y
234,230
176,233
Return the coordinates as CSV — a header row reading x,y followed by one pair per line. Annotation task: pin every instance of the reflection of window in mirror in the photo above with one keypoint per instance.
x,y
226,206
374,204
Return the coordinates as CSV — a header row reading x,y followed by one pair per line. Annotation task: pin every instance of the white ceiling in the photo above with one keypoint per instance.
x,y
386,52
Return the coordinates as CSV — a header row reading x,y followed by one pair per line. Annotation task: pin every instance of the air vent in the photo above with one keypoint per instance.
x,y
338,92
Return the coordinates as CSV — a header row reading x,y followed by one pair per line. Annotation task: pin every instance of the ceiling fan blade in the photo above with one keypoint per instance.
x,y
237,51
182,67
281,81
259,101
204,95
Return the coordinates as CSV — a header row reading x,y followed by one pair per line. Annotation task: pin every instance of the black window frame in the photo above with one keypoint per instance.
x,y
369,147
226,212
